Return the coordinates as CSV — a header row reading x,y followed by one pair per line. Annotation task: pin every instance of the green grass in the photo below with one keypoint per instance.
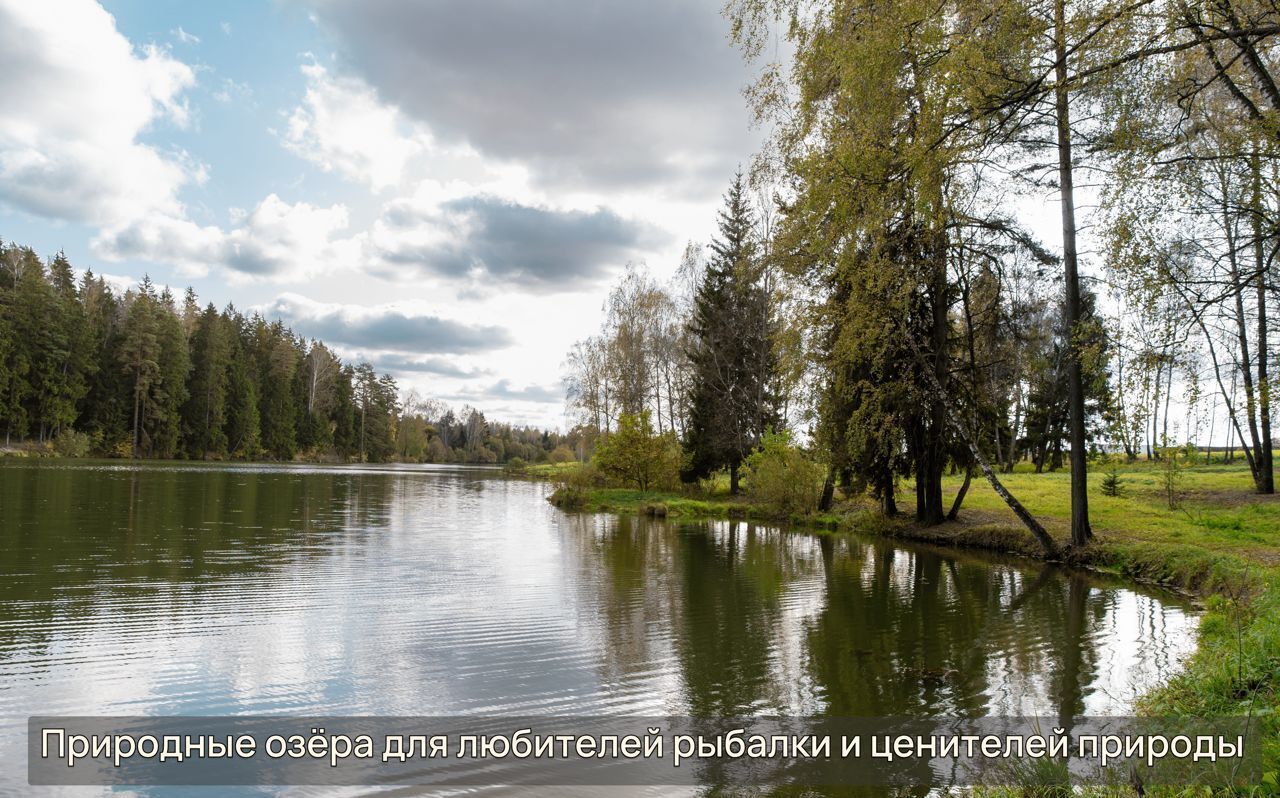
x,y
1217,509
549,471
676,504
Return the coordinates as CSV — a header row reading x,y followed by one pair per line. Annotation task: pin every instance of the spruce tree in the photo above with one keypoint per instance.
x,y
205,413
170,390
139,357
731,350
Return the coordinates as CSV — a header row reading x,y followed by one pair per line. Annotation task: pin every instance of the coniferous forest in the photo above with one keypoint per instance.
x,y
85,370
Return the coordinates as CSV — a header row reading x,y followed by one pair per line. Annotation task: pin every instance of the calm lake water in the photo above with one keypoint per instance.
x,y
212,590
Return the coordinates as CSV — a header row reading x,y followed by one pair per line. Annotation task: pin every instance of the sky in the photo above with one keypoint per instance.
x,y
444,188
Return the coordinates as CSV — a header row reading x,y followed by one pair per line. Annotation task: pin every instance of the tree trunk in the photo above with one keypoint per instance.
x,y
888,503
931,459
1080,530
1246,372
828,491
964,488
1153,440
133,451
1266,474
1168,395
1013,433
1034,526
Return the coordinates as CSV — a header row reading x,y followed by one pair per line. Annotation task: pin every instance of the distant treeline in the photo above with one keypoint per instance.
x,y
84,370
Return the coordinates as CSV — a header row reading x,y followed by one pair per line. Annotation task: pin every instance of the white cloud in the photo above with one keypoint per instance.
x,y
232,90
119,283
343,126
279,236
226,28
78,96
277,239
184,37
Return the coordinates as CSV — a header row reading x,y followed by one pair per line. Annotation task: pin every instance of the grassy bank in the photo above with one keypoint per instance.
x,y
1200,529
1215,527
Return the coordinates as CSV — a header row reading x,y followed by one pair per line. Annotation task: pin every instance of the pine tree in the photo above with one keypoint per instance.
x,y
139,355
205,412
732,403
104,414
170,390
243,431
78,363
45,337
278,362
343,415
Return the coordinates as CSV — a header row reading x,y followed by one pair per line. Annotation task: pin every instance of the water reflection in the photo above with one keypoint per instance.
x,y
403,591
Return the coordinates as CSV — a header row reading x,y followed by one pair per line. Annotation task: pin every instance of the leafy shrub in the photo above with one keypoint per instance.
x,y
782,478
561,454
568,497
71,444
516,465
586,475
573,488
633,456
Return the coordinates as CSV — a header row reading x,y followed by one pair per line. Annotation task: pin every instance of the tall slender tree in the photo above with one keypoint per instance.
x,y
731,349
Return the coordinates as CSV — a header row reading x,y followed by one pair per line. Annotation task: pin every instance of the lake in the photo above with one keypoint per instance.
x,y
170,589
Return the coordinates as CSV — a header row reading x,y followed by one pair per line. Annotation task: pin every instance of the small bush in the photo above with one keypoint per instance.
x,y
561,454
569,497
633,456
516,465
573,489
782,478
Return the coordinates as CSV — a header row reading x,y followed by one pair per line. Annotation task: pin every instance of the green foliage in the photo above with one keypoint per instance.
x,y
1234,670
731,356
1048,412
71,443
561,454
782,479
574,486
376,408
140,376
1112,484
633,455
204,414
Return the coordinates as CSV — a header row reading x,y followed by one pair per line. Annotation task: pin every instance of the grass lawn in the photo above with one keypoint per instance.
x,y
1215,508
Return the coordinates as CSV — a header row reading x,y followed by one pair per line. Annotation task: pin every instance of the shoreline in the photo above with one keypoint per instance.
x,y
1191,571
21,453
1233,671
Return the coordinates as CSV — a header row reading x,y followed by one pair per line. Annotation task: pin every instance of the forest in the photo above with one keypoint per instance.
x,y
875,298
84,371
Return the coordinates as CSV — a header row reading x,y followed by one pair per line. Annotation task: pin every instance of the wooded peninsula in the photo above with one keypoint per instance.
x,y
87,371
